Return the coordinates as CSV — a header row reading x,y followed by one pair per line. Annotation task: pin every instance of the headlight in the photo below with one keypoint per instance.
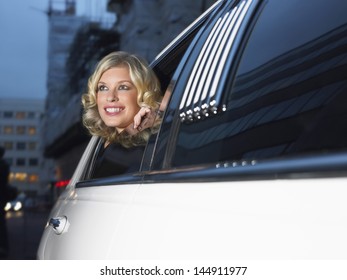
x,y
7,206
17,206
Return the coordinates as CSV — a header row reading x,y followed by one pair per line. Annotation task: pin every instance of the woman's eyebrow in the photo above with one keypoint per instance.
x,y
125,81
121,81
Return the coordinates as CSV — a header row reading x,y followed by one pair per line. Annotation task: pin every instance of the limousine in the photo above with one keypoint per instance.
x,y
250,160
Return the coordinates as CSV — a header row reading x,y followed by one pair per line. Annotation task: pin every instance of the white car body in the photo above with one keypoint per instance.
x,y
267,219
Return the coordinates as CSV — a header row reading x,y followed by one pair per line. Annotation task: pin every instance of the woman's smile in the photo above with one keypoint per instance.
x,y
113,110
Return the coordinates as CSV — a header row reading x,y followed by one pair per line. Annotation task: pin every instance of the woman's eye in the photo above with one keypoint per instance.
x,y
123,87
102,88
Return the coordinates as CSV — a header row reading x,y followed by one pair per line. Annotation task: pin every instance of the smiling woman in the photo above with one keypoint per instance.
x,y
120,86
120,107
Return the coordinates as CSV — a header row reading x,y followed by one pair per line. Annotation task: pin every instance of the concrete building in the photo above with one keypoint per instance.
x,y
146,27
20,134
63,26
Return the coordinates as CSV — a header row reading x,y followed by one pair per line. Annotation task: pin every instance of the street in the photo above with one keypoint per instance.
x,y
24,231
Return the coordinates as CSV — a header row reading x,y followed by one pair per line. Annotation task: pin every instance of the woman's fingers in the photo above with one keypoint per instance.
x,y
144,111
137,120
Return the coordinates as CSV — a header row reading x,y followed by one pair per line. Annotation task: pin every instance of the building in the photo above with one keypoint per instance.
x,y
20,134
146,27
63,26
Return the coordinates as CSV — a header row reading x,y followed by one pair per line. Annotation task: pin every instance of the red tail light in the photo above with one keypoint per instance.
x,y
62,183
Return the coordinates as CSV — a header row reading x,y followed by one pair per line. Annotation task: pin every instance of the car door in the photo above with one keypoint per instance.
x,y
83,220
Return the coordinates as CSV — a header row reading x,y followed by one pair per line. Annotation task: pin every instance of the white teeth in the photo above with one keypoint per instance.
x,y
113,110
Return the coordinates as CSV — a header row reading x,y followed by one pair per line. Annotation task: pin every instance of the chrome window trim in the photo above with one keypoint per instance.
x,y
217,53
218,38
243,11
192,81
199,98
210,43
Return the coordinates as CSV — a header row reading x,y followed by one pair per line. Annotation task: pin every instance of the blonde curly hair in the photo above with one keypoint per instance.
x,y
149,95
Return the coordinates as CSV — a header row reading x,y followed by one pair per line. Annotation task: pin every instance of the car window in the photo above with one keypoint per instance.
x,y
288,95
116,160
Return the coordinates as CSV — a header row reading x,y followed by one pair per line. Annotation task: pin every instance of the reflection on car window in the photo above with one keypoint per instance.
x,y
289,94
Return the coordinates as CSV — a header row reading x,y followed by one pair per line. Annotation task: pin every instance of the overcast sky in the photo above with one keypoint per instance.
x,y
23,45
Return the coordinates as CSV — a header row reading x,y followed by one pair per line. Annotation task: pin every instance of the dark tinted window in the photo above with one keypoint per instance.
x,y
289,94
116,160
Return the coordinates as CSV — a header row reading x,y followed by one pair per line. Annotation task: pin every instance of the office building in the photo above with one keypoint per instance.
x,y
20,135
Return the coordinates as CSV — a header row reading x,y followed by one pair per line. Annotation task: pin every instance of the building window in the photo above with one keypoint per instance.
x,y
33,178
20,130
32,146
8,145
32,130
8,129
20,115
31,115
20,162
9,161
20,146
8,115
19,176
33,162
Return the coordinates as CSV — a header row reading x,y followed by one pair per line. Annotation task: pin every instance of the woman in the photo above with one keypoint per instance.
x,y
123,96
123,89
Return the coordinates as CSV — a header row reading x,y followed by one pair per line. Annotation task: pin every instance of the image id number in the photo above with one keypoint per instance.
x,y
213,270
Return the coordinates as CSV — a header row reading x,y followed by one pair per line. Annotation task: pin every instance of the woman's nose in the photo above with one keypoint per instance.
x,y
112,96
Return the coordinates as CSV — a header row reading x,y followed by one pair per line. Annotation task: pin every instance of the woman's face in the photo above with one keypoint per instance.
x,y
117,98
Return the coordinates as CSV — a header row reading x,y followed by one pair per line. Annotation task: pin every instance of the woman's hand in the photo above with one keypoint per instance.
x,y
142,118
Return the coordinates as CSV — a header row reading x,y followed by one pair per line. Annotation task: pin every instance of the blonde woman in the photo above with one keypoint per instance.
x,y
122,90
123,96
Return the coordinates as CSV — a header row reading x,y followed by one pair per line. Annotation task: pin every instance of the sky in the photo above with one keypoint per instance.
x,y
23,44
